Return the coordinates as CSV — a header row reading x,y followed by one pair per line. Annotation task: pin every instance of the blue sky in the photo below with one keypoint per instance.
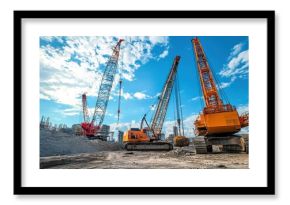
x,y
70,66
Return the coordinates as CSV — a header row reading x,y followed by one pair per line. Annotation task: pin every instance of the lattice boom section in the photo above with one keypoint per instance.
x,y
161,110
209,89
106,86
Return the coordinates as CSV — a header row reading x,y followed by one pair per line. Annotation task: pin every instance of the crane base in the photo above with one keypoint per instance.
x,y
225,144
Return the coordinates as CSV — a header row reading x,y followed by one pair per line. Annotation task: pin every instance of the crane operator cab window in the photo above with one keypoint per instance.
x,y
149,133
133,136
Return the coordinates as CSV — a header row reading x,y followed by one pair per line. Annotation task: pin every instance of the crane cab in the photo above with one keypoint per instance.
x,y
136,135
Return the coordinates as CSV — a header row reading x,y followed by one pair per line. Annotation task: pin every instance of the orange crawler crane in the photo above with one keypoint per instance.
x,y
149,138
218,122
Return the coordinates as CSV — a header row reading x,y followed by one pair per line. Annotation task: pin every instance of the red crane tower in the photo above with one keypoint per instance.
x,y
92,127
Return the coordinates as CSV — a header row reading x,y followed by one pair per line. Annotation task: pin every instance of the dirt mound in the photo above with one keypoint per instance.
x,y
54,143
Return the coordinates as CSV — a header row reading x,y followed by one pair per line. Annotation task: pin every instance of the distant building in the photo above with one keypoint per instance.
x,y
47,123
175,131
77,129
162,136
104,133
42,122
67,130
170,138
120,137
105,129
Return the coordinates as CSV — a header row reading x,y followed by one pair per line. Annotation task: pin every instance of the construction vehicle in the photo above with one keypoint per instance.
x,y
218,122
149,137
179,140
92,129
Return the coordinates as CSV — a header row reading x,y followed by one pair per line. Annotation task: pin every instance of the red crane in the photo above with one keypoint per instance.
x,y
92,127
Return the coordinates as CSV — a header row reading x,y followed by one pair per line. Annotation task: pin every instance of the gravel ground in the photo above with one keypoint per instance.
x,y
175,159
60,150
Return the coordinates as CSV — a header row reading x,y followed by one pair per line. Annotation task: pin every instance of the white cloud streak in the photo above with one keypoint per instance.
x,y
163,54
74,111
137,95
141,96
237,65
227,84
236,49
196,98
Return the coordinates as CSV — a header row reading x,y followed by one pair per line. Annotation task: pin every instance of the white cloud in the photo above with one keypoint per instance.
x,y
124,125
236,49
141,96
237,65
127,96
67,72
163,54
196,98
158,40
137,51
239,59
153,107
52,38
136,95
242,109
187,124
224,85
74,111
157,94
227,84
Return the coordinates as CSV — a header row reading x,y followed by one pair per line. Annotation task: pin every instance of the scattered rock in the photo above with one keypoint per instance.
x,y
129,153
60,143
222,166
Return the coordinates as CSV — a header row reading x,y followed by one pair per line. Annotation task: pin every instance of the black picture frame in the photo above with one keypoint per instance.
x,y
269,16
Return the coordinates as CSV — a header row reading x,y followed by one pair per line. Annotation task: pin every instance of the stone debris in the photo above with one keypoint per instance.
x,y
53,143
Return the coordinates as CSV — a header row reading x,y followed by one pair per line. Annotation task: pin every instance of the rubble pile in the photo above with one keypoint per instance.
x,y
54,143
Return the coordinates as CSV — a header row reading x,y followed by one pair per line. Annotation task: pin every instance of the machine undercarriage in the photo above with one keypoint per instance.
x,y
221,144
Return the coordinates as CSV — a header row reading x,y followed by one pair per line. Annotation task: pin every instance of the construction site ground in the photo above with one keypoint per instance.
x,y
65,151
175,159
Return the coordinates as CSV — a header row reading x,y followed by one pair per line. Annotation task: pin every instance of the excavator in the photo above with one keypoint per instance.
x,y
149,137
217,124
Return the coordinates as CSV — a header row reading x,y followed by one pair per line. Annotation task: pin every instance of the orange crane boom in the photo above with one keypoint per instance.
x,y
217,119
